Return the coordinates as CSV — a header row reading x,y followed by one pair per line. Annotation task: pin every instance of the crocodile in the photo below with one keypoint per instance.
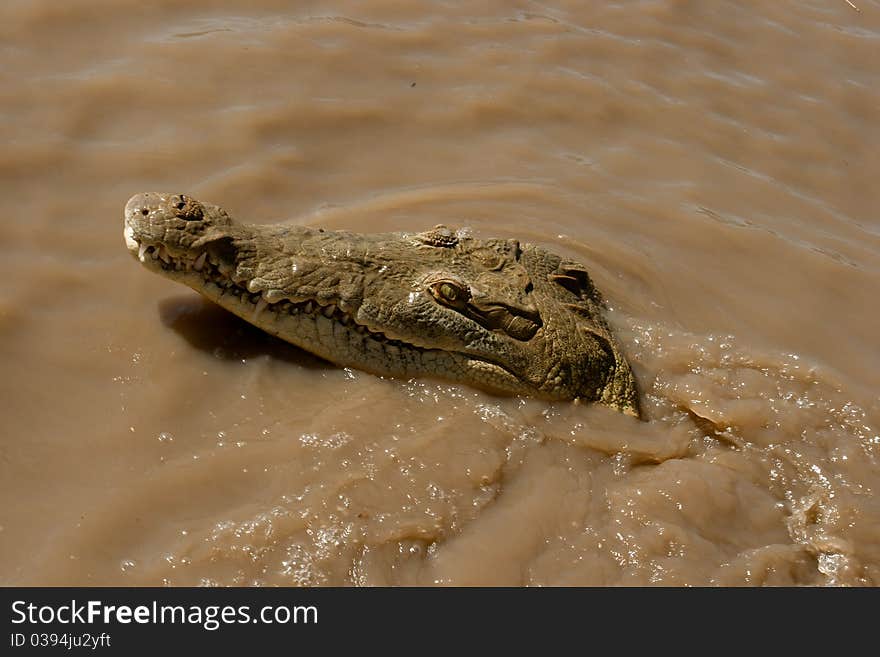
x,y
504,316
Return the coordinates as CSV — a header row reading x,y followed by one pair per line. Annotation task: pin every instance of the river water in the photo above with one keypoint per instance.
x,y
713,164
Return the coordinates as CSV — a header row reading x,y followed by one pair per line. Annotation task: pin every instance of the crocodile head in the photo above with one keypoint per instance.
x,y
497,314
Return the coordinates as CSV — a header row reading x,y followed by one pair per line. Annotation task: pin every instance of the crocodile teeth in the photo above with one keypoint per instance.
x,y
163,253
200,261
261,306
141,250
309,307
328,311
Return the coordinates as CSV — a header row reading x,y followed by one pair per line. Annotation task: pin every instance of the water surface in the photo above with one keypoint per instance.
x,y
714,164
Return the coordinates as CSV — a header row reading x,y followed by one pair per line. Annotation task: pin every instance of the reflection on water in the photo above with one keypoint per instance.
x,y
211,329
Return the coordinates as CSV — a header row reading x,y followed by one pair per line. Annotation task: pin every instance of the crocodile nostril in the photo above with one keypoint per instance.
x,y
145,211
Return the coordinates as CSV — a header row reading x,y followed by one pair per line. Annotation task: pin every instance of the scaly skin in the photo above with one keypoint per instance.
x,y
503,316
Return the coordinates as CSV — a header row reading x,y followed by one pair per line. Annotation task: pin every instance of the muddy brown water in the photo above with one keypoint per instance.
x,y
714,164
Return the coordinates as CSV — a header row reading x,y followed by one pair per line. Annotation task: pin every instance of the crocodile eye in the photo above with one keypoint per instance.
x,y
450,293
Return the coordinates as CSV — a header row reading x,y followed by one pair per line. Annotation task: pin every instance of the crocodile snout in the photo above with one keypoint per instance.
x,y
141,205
